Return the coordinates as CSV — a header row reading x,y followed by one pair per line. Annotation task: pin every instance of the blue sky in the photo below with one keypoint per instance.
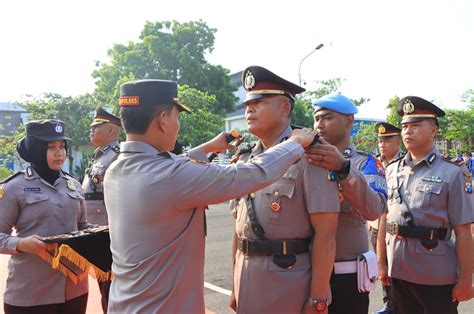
x,y
381,48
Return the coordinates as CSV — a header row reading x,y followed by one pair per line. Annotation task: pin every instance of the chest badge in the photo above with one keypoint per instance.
x,y
432,179
275,207
467,182
71,186
2,191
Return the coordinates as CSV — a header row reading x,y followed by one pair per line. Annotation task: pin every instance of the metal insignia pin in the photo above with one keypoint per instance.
x,y
275,207
249,81
408,107
71,186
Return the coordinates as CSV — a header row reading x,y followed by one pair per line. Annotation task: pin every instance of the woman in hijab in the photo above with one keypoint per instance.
x,y
37,202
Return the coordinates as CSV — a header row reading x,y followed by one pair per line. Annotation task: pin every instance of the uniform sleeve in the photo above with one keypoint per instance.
x,y
82,218
202,184
320,194
461,203
367,192
198,154
9,210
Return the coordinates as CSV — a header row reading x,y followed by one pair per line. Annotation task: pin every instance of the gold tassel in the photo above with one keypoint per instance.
x,y
71,255
54,259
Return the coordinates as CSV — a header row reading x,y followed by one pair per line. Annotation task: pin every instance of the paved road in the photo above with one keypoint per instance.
x,y
217,272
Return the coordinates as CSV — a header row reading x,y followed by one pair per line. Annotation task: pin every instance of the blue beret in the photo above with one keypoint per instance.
x,y
335,102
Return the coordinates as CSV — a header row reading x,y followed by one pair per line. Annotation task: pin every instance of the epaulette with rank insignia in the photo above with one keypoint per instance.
x,y
12,176
116,149
394,160
242,151
458,163
362,152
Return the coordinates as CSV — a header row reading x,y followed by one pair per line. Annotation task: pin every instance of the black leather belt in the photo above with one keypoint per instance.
x,y
416,232
96,196
273,247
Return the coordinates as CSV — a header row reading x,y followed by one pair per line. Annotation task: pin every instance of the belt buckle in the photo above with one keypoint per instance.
x,y
396,229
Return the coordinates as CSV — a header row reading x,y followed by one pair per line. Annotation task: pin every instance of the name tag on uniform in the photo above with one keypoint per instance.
x,y
432,179
35,189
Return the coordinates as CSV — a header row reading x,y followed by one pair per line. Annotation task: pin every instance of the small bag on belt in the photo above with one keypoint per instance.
x,y
367,271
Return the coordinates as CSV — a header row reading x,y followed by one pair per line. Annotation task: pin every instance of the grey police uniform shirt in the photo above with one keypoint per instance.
x,y
374,224
434,192
157,244
260,285
101,160
359,203
32,206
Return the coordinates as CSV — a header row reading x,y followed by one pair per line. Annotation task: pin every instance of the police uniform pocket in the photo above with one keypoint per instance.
x,y
302,263
32,198
276,198
431,195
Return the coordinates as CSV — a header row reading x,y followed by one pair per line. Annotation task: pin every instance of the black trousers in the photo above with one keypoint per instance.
x,y
412,298
104,288
74,306
345,295
386,290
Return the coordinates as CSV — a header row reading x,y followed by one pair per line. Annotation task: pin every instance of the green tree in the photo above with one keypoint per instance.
x,y
303,112
202,124
366,138
167,50
393,117
458,125
74,112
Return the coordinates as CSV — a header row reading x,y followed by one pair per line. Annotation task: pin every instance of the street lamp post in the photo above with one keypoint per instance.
x,y
309,54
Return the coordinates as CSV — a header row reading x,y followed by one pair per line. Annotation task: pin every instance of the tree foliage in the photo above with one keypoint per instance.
x,y
203,123
366,138
303,112
393,117
458,125
167,50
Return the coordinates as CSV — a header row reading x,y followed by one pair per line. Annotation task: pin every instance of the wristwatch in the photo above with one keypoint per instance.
x,y
342,173
318,305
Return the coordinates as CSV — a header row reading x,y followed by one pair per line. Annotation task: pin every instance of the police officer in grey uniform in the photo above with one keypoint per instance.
x,y
388,142
429,196
104,132
362,186
38,202
155,201
285,233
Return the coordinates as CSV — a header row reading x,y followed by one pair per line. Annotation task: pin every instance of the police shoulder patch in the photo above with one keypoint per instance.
x,y
12,176
458,163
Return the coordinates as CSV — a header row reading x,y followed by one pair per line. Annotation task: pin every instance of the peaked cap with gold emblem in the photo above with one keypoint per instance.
x,y
101,116
413,109
260,82
385,129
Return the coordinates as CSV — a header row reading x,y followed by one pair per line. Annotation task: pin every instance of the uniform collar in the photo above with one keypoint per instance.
x,y
429,159
141,147
105,148
285,134
31,174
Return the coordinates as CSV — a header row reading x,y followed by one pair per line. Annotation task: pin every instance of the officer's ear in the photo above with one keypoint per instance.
x,y
350,120
163,117
286,108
